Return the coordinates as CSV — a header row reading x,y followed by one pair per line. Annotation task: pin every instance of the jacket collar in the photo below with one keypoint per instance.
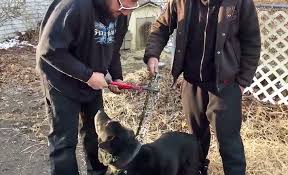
x,y
211,2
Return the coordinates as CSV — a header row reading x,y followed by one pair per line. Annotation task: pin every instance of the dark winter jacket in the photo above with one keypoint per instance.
x,y
201,43
237,48
75,42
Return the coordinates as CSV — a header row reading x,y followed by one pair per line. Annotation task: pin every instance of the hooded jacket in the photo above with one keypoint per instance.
x,y
76,41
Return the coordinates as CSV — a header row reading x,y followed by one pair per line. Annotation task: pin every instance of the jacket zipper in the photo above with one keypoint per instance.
x,y
205,37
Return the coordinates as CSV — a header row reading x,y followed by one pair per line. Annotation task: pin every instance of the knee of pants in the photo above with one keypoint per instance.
x,y
228,135
227,130
230,143
63,141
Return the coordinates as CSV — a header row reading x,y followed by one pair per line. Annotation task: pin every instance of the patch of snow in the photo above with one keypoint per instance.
x,y
8,44
14,42
26,43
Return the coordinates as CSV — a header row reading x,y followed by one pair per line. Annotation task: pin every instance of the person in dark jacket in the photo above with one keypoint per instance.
x,y
217,50
79,43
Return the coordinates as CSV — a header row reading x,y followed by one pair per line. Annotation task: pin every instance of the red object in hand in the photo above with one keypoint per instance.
x,y
128,86
122,85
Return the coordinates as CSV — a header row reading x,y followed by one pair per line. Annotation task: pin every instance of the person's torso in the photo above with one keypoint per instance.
x,y
199,63
93,45
102,44
226,37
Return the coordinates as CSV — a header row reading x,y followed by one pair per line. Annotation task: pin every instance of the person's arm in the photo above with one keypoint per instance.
x,y
58,38
250,43
115,68
161,30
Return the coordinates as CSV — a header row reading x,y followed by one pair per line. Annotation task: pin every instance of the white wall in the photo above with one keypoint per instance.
x,y
33,11
142,12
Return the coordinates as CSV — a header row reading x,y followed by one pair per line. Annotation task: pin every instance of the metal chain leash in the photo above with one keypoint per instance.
x,y
149,106
152,96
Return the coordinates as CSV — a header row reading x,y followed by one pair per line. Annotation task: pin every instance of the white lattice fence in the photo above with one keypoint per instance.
x,y
270,83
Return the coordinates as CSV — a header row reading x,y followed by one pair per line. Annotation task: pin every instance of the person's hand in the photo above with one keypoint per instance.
x,y
179,83
241,88
97,81
152,65
115,89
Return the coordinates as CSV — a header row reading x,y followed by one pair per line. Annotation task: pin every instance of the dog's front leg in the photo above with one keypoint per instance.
x,y
171,170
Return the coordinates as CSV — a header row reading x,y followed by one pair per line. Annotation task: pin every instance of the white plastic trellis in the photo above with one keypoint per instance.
x,y
270,83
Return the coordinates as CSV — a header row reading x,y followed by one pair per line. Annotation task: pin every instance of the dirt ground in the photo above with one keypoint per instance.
x,y
24,149
23,125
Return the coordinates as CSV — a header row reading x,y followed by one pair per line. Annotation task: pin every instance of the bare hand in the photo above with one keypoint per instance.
x,y
97,81
115,89
152,65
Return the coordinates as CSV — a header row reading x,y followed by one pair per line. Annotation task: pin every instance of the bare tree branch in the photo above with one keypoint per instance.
x,y
10,9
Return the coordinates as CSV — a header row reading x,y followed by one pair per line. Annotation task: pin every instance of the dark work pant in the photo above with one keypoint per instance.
x,y
223,112
64,115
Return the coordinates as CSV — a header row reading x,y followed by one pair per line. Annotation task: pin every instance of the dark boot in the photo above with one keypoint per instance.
x,y
96,173
204,169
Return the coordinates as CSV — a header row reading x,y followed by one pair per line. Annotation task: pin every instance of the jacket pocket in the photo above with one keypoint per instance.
x,y
235,54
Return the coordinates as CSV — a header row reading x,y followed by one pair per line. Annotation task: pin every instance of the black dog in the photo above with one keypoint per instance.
x,y
174,153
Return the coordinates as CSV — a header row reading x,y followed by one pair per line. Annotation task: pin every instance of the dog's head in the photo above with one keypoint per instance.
x,y
113,138
101,119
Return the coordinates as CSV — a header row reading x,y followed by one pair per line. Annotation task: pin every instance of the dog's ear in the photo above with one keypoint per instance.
x,y
115,126
100,119
107,145
118,128
102,116
131,133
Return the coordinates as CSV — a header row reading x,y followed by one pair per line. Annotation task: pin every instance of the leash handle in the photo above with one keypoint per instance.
x,y
129,86
122,85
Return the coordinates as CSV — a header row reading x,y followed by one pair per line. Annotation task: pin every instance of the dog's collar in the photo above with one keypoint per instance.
x,y
121,164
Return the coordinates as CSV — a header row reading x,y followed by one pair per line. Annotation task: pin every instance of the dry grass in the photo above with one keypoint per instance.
x,y
271,1
264,131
